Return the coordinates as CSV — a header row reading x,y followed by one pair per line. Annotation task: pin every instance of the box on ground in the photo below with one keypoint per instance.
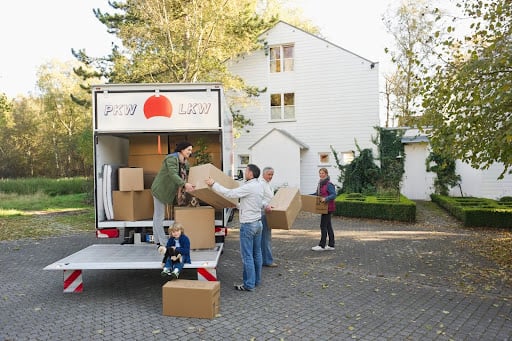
x,y
131,179
197,176
149,144
191,298
132,205
286,205
311,203
199,225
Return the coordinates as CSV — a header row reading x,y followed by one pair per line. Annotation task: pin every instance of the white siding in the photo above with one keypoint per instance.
x,y
417,183
336,100
263,155
482,183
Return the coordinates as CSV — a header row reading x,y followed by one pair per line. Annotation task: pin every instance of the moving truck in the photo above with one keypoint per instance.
x,y
134,127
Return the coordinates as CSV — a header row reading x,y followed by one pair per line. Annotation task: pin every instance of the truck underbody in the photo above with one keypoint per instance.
x,y
129,256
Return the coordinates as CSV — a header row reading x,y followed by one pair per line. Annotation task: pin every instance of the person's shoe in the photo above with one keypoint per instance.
x,y
329,248
271,265
241,287
317,248
174,275
165,273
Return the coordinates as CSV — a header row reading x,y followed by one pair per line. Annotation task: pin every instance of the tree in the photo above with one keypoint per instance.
x,y
177,41
64,120
468,99
184,41
410,24
361,175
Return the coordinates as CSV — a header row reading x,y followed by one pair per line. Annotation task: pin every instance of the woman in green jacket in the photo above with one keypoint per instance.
x,y
171,181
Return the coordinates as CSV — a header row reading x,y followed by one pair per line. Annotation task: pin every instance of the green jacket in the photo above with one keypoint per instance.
x,y
168,180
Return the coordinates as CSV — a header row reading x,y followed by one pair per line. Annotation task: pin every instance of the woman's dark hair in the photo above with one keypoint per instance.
x,y
182,145
254,169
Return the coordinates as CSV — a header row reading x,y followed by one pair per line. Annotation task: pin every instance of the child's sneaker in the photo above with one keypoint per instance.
x,y
329,248
317,248
174,275
165,272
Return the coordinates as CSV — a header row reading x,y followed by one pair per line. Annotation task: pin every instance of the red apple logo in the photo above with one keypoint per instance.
x,y
157,105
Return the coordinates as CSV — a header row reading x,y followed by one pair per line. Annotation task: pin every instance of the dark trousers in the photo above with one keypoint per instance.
x,y
326,230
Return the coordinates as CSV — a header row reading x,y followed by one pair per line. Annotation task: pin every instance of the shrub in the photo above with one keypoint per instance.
x,y
476,212
385,207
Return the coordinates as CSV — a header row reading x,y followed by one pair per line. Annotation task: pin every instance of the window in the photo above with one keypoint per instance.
x,y
282,106
243,160
281,58
324,158
348,157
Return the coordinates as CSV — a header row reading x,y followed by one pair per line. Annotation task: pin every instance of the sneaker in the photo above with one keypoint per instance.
x,y
241,287
329,248
317,248
271,265
174,275
165,273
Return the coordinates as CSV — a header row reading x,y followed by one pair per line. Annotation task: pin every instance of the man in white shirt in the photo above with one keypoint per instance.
x,y
250,206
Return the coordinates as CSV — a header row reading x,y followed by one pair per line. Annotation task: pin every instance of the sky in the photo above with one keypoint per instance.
x,y
34,32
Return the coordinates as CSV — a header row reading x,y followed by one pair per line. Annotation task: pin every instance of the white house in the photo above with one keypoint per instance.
x,y
418,184
318,95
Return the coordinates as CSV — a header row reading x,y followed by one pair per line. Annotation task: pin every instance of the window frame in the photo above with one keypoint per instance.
x,y
286,111
281,58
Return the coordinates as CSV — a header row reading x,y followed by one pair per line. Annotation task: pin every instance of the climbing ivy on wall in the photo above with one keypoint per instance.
x,y
444,167
363,175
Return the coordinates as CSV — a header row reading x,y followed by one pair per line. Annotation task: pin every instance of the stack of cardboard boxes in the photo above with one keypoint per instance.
x,y
132,202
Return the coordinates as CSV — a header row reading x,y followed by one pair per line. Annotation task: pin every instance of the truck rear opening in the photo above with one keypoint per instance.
x,y
135,126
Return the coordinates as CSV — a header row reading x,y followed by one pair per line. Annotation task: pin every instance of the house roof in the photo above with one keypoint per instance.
x,y
318,37
414,136
301,144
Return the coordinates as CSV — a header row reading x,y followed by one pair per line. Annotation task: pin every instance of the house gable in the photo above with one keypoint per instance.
x,y
336,99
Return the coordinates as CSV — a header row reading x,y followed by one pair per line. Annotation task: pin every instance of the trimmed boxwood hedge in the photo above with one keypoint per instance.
x,y
477,212
385,207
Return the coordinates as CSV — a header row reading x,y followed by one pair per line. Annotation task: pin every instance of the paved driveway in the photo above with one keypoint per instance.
x,y
384,281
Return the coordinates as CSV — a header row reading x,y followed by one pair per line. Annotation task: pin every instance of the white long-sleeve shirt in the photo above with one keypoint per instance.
x,y
268,193
251,199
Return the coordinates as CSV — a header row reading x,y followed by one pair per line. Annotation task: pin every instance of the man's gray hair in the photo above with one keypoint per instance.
x,y
266,169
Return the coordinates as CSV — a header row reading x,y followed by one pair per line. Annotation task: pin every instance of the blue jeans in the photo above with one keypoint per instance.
x,y
177,265
266,242
250,250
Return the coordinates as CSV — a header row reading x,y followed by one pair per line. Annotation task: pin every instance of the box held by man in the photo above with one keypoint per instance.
x,y
286,205
197,176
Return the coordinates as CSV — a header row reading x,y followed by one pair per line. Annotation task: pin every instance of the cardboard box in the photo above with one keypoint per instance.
x,y
191,298
286,205
199,224
311,203
132,205
197,177
149,144
131,179
150,163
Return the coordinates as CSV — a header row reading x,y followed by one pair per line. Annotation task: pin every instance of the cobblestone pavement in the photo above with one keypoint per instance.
x,y
384,281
